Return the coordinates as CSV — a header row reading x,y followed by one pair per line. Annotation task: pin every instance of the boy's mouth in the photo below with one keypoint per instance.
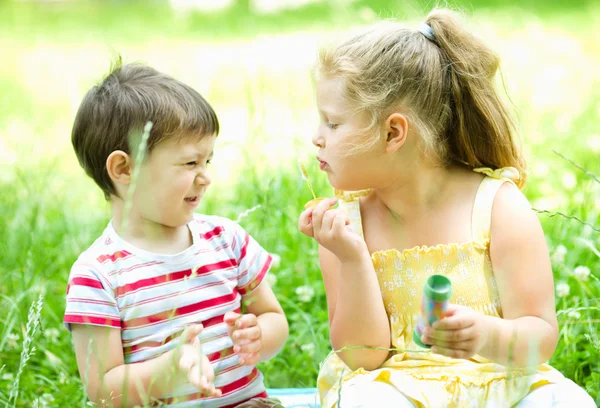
x,y
193,199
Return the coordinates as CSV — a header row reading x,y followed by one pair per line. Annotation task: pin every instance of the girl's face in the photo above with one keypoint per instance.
x,y
345,153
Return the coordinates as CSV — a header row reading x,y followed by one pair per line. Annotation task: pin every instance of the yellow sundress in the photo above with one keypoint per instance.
x,y
427,379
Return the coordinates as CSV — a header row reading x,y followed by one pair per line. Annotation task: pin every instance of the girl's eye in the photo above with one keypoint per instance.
x,y
192,163
332,125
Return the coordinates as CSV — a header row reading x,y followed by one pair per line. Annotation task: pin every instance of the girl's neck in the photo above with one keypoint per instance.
x,y
416,193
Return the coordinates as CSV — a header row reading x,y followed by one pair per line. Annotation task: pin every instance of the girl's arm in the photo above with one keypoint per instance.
x,y
357,316
523,274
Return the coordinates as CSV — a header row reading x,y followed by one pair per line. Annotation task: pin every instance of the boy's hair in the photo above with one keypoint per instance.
x,y
119,107
444,85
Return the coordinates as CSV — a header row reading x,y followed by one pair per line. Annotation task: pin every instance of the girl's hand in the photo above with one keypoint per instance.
x,y
461,333
246,335
194,364
329,227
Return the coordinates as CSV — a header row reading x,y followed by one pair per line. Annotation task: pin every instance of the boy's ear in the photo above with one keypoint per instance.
x,y
118,166
396,127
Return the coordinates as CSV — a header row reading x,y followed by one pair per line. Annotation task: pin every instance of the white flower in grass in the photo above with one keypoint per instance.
x,y
569,181
305,293
52,334
308,348
563,289
276,261
574,314
8,377
44,401
582,273
271,279
13,341
63,378
559,254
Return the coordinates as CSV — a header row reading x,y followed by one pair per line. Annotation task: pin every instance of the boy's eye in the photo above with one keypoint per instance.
x,y
192,163
208,161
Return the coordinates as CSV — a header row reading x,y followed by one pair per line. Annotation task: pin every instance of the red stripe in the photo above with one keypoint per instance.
x,y
227,389
101,321
241,383
89,282
150,344
244,249
176,294
173,276
259,277
215,232
114,257
181,311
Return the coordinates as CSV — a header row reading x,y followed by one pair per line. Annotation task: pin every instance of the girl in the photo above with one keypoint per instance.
x,y
421,153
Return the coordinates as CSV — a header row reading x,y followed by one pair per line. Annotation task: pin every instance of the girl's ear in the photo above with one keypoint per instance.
x,y
396,127
118,166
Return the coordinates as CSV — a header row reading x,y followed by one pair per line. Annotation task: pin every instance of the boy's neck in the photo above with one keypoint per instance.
x,y
149,235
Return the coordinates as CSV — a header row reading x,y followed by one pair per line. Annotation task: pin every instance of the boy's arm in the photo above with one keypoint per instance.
x,y
260,333
107,378
271,319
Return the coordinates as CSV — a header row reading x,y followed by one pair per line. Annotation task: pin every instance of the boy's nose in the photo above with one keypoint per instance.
x,y
203,179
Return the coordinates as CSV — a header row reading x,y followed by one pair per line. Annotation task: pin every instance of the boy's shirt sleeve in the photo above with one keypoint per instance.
x,y
253,261
90,299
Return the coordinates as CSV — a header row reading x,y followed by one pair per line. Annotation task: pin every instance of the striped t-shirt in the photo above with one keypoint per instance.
x,y
153,297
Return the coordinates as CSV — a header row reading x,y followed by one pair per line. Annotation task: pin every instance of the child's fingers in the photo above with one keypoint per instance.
x,y
251,333
305,222
454,322
231,317
246,321
251,347
186,362
249,359
328,219
190,333
195,376
339,223
319,212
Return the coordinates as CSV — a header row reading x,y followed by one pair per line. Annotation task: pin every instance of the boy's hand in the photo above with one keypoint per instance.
x,y
329,227
461,333
194,364
246,336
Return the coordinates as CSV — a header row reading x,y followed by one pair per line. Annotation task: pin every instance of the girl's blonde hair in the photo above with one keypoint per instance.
x,y
444,86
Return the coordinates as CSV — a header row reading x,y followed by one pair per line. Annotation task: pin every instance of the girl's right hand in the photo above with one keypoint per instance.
x,y
329,227
193,363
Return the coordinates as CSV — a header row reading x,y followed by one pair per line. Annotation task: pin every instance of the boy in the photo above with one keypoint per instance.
x,y
154,304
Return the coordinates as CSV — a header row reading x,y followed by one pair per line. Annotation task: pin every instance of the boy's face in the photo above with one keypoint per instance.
x,y
173,180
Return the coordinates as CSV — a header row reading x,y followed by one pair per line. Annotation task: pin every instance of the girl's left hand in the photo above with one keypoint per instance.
x,y
461,333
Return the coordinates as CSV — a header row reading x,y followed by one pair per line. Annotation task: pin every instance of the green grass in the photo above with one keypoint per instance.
x,y
51,211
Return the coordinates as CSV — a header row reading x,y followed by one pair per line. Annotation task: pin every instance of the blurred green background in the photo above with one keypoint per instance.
x,y
252,61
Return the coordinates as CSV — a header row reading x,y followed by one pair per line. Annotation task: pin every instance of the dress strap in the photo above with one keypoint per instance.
x,y
484,199
349,203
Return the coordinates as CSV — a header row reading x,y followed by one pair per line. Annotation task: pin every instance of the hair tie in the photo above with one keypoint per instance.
x,y
427,31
